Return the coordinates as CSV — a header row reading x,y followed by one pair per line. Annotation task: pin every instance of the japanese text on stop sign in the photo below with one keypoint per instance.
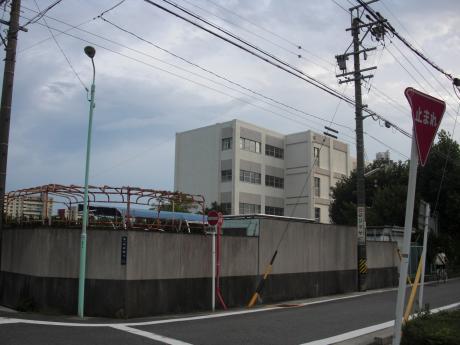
x,y
425,117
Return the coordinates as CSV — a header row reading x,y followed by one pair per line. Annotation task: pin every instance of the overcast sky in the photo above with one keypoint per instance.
x,y
144,96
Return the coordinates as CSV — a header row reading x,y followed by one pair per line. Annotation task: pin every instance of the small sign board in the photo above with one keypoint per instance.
x,y
427,113
124,249
361,225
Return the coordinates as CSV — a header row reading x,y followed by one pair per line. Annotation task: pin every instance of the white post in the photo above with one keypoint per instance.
x,y
406,241
425,240
213,294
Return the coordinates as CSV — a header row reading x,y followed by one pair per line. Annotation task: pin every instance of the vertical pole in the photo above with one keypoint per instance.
x,y
82,274
213,255
425,240
5,109
360,187
406,242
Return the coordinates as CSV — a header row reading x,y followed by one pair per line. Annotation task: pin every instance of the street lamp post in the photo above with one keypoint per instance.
x,y
90,52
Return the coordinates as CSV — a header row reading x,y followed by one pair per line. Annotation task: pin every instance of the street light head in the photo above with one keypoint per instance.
x,y
90,51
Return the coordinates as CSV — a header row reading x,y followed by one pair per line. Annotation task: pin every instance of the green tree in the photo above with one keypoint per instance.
x,y
438,183
386,187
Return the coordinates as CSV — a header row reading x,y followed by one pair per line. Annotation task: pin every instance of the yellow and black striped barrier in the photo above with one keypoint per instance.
x,y
362,265
261,284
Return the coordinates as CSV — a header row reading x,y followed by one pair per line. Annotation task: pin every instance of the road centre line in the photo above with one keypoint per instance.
x,y
374,328
150,335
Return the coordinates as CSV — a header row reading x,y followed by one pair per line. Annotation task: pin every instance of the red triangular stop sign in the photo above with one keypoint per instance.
x,y
427,114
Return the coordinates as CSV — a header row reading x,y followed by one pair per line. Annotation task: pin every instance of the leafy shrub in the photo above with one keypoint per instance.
x,y
433,329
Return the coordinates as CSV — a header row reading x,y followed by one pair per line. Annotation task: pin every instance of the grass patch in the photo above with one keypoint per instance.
x,y
442,328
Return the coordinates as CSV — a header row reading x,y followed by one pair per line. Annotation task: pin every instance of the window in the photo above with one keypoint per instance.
x,y
226,207
226,175
277,211
317,187
250,145
317,214
316,155
274,151
250,176
249,208
226,144
273,181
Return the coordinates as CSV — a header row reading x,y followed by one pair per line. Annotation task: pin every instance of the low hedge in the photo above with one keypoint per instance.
x,y
442,328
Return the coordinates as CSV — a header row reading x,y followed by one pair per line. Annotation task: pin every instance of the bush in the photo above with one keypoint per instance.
x,y
433,329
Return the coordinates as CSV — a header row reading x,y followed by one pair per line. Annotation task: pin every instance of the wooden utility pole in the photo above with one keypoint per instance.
x,y
374,27
7,96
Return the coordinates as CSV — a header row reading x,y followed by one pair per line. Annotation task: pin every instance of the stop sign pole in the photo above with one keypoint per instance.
x,y
213,219
427,114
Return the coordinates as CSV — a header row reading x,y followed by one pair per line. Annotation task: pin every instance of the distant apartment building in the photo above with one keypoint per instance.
x,y
249,169
30,207
383,156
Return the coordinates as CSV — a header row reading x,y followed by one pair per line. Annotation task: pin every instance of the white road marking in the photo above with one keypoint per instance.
x,y
4,320
194,318
149,335
359,332
200,317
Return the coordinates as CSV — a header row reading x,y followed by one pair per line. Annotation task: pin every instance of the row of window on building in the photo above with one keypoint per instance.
x,y
245,208
253,177
270,181
254,146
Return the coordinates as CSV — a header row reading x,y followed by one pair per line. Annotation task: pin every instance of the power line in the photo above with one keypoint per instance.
x,y
206,70
281,65
377,16
220,76
180,76
418,58
343,8
41,13
61,50
277,62
293,44
296,54
110,9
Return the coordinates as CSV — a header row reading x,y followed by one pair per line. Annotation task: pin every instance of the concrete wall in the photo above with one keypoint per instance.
x,y
382,263
169,272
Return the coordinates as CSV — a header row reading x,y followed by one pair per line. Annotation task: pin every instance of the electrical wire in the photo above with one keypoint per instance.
x,y
273,60
308,125
343,8
403,40
288,41
271,99
41,13
420,48
62,51
282,65
296,54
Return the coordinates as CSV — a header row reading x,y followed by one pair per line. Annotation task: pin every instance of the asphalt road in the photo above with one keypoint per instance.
x,y
298,323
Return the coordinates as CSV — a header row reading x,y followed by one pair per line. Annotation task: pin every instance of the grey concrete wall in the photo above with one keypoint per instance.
x,y
168,272
176,256
382,254
307,247
50,252
55,252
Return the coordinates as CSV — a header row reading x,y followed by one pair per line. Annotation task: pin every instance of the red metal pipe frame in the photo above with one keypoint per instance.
x,y
143,196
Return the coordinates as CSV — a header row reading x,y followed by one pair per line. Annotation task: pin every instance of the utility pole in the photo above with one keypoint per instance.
x,y
356,26
7,95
